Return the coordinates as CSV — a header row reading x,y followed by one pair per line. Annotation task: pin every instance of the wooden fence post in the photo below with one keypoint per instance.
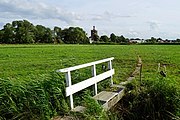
x,y
110,67
94,74
140,75
68,83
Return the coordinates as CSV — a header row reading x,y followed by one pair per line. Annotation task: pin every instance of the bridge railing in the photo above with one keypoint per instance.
x,y
71,89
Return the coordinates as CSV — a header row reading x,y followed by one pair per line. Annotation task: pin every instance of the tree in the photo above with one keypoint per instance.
x,y
39,33
178,40
8,34
113,37
43,34
159,39
48,36
152,40
74,35
23,31
57,34
1,36
27,32
121,39
104,38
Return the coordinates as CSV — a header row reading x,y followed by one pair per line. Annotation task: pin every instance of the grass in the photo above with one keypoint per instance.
x,y
29,61
157,99
24,62
28,90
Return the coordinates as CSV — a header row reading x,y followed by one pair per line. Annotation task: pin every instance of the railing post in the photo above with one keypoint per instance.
x,y
110,68
68,83
94,74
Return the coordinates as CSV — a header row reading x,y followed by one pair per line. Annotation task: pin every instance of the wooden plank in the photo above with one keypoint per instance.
x,y
110,67
86,83
71,101
68,78
94,74
130,78
79,109
105,96
84,65
114,100
117,85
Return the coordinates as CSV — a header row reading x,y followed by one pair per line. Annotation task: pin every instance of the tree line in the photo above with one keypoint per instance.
x,y
24,32
112,39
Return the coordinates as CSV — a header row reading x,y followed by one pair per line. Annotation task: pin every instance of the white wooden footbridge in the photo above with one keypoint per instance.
x,y
107,98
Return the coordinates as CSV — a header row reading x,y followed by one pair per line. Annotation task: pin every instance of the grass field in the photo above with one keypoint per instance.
x,y
26,92
30,61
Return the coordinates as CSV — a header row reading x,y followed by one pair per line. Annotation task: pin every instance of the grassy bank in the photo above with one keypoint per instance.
x,y
29,89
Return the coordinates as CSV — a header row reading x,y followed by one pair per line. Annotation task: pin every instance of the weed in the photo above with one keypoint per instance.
x,y
156,99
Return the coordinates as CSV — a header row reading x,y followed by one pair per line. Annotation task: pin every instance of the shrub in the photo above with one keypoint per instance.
x,y
158,99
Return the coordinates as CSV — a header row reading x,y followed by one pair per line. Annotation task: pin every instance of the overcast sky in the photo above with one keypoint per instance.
x,y
131,18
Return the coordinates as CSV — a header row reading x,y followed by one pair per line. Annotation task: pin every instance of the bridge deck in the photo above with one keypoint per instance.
x,y
105,96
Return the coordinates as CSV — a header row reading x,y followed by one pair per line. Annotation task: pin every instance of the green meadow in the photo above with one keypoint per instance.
x,y
21,62
28,90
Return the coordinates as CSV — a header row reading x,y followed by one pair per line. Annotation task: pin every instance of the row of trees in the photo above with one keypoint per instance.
x,y
159,40
24,32
113,38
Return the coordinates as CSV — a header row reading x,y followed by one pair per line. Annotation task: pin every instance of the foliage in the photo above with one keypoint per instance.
x,y
178,40
24,32
118,39
122,39
74,35
94,110
151,100
104,38
42,34
113,37
35,99
152,40
57,34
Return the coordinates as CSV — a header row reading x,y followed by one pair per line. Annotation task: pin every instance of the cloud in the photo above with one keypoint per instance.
x,y
35,10
153,25
132,33
108,16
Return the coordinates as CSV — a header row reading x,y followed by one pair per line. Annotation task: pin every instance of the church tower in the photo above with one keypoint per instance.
x,y
94,33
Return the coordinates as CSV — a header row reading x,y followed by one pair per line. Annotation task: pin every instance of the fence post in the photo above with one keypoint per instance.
x,y
94,74
110,67
140,74
68,83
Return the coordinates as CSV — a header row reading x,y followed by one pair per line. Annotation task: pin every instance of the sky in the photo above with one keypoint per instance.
x,y
131,18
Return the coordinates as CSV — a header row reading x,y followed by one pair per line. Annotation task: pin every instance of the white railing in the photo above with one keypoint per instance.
x,y
71,89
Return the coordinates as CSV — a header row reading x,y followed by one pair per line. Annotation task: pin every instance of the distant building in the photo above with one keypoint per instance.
x,y
94,35
137,40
